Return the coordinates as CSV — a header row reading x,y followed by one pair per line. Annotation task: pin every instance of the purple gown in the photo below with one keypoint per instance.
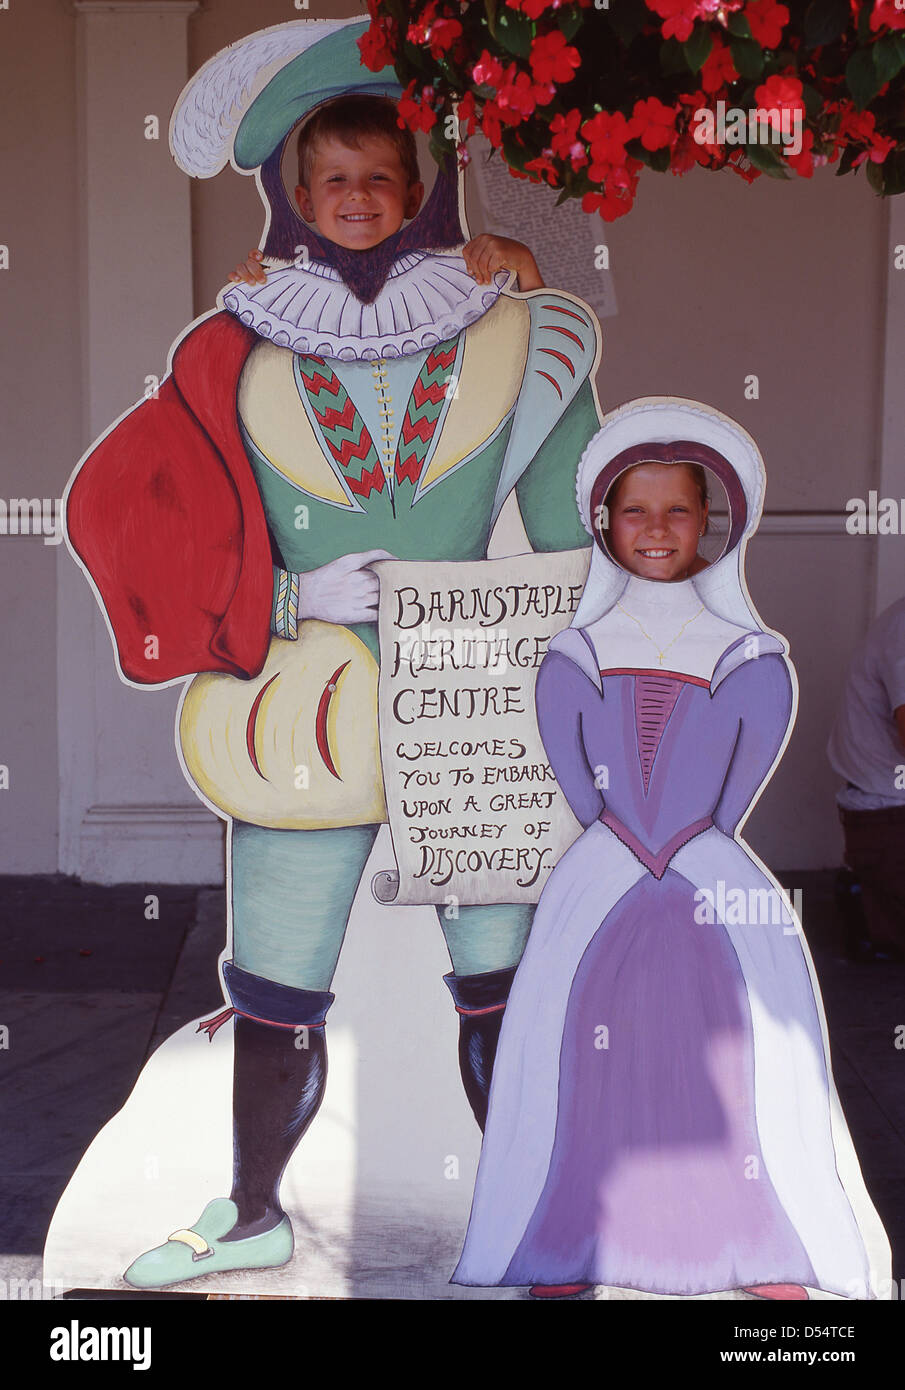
x,y
632,1141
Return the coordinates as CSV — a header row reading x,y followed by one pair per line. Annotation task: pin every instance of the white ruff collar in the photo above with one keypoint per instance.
x,y
428,297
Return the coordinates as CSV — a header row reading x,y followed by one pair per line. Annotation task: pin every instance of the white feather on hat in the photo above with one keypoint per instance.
x,y
211,105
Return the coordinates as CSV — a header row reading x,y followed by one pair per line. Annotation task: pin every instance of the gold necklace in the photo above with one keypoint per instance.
x,y
661,652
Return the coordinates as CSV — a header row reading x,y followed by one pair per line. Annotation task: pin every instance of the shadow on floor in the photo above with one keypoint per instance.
x,y
92,979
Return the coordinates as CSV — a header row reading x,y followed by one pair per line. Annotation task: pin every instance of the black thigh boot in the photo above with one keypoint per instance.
x,y
480,1001
279,1077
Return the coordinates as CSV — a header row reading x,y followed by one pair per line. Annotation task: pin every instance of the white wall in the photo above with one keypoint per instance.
x,y
715,280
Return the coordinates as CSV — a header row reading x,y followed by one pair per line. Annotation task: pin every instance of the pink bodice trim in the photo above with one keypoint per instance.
x,y
657,863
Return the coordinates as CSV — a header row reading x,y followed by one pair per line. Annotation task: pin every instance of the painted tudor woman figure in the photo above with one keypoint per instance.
x,y
662,1113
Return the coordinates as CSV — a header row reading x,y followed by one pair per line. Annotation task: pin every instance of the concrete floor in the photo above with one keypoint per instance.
x,y
89,988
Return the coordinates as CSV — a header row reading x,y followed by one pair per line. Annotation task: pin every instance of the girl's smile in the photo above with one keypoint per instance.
x,y
656,518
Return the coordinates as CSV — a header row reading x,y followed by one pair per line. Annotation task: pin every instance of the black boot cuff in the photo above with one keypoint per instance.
x,y
270,1002
473,993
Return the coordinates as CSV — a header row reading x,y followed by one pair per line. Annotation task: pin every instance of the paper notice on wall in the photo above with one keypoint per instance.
x,y
568,244
475,812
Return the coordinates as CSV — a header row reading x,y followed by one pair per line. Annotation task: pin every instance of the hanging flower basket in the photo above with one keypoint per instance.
x,y
583,95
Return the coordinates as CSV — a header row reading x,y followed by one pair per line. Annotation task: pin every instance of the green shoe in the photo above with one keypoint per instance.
x,y
202,1250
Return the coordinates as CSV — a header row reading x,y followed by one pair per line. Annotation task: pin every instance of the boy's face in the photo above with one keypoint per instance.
x,y
358,198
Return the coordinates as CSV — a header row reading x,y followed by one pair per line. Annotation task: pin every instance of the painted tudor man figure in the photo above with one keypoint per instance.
x,y
370,399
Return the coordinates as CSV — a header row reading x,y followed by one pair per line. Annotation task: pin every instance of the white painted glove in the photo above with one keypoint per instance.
x,y
342,591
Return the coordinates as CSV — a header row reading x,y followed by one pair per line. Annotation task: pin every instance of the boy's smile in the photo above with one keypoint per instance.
x,y
358,197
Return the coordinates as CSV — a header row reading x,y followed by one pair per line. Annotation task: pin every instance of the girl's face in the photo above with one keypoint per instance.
x,y
656,519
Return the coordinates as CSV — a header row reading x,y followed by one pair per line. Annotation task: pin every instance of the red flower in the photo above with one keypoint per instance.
x,y
467,113
487,71
655,124
565,141
778,94
780,91
374,46
490,124
533,9
739,162
860,128
552,59
690,151
543,164
607,133
493,118
719,69
417,114
519,93
680,15
886,14
438,34
618,194
767,20
803,162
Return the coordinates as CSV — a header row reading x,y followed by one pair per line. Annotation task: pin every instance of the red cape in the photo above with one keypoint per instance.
x,y
167,518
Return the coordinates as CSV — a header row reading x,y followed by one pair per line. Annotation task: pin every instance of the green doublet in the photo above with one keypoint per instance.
x,y
450,521
416,455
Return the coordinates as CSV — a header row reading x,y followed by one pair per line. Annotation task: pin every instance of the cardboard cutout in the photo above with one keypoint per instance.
x,y
663,1115
357,405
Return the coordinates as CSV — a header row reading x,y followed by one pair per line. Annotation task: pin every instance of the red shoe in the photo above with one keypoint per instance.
x,y
557,1290
785,1291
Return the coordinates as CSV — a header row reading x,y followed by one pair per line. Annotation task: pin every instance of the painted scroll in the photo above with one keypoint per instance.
x,y
475,812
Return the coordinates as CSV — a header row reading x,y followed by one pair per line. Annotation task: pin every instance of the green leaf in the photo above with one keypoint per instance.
x,y
513,31
738,24
887,59
825,21
627,19
767,160
864,15
515,154
847,160
813,101
875,175
862,77
672,59
570,21
697,47
893,168
659,159
490,9
438,147
748,56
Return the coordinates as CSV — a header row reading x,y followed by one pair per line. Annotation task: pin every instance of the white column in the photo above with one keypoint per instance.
x,y
126,813
889,576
